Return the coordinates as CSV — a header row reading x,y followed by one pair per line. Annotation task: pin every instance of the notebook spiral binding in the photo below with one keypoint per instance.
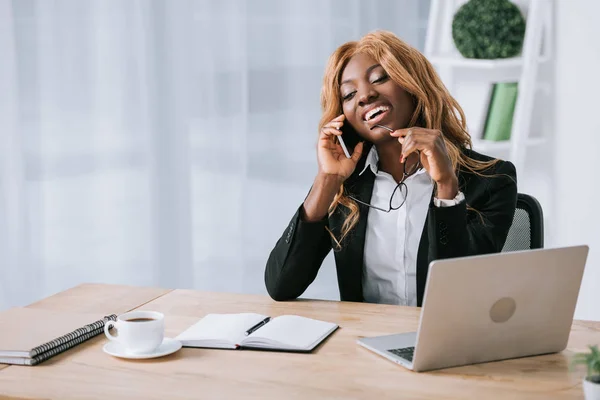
x,y
66,346
71,339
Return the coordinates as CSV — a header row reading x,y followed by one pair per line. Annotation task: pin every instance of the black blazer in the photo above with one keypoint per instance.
x,y
448,232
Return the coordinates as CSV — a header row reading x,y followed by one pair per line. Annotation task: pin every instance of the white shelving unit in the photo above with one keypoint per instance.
x,y
459,61
453,67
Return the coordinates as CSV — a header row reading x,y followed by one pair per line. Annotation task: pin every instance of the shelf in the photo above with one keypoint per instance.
x,y
467,79
459,61
456,60
488,145
498,70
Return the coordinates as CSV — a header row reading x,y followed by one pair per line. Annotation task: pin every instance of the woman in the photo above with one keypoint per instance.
x,y
411,192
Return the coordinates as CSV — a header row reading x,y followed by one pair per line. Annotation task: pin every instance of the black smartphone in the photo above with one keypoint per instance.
x,y
348,139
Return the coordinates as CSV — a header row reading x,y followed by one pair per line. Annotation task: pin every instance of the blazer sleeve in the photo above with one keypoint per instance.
x,y
296,258
457,232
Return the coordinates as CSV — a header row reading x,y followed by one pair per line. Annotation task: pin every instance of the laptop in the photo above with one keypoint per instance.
x,y
491,307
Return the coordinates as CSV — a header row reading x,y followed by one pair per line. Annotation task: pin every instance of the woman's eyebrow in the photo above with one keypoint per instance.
x,y
371,68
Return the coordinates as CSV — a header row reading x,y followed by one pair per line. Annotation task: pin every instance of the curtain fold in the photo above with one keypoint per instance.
x,y
165,143
13,221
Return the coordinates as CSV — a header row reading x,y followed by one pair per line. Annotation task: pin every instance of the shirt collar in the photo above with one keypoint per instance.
x,y
372,162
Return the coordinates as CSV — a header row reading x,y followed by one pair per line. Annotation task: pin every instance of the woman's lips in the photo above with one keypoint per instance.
x,y
378,118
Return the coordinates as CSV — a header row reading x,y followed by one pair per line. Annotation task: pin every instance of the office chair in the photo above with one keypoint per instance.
x,y
527,229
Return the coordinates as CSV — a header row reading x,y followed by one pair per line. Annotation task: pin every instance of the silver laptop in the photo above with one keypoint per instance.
x,y
491,307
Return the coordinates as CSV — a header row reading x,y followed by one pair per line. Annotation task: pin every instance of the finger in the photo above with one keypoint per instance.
x,y
406,152
415,144
401,132
357,152
334,124
404,136
412,131
331,132
409,146
423,138
340,117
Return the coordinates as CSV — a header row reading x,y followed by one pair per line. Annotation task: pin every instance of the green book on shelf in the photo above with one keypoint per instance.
x,y
500,114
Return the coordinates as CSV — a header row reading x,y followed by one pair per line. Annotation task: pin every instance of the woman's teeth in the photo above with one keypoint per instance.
x,y
372,113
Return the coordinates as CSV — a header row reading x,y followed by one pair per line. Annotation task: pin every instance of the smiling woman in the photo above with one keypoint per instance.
x,y
392,105
409,148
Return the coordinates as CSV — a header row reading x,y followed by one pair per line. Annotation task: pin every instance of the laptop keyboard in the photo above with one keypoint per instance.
x,y
406,352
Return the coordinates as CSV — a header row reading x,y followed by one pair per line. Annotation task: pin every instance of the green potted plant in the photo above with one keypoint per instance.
x,y
488,29
591,383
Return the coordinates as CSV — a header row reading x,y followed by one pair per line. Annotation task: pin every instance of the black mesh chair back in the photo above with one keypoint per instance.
x,y
527,229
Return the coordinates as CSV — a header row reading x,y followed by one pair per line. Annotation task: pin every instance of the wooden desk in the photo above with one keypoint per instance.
x,y
93,298
339,369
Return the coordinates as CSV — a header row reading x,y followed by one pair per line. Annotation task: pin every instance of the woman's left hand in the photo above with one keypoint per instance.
x,y
434,157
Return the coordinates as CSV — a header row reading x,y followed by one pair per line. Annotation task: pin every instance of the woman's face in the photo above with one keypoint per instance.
x,y
369,97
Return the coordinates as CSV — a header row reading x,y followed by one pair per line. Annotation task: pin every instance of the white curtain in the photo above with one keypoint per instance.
x,y
163,143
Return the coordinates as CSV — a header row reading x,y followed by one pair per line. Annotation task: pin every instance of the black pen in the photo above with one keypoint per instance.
x,y
255,327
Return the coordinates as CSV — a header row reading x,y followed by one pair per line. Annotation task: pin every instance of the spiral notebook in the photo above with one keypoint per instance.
x,y
30,336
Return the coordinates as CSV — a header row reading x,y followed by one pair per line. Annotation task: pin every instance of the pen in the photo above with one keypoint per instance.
x,y
255,327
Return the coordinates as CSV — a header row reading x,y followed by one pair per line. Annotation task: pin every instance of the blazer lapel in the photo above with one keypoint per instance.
x,y
349,260
422,263
423,258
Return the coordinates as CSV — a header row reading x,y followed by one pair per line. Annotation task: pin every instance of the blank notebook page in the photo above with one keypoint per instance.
x,y
295,331
230,327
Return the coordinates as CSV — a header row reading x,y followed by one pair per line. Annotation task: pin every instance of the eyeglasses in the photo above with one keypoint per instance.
x,y
400,188
400,192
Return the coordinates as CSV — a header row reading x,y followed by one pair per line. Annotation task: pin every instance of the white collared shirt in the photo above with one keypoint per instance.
x,y
392,239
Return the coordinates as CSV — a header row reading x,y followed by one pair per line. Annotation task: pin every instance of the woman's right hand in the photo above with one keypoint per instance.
x,y
330,155
334,169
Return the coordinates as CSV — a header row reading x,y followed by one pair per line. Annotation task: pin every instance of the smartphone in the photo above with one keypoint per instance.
x,y
348,139
343,144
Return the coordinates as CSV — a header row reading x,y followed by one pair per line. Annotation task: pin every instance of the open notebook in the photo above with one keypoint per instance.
x,y
285,333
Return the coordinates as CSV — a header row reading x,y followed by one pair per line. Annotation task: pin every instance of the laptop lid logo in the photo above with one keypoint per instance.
x,y
503,309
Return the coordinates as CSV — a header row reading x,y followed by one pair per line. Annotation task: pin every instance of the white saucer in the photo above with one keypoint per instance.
x,y
168,346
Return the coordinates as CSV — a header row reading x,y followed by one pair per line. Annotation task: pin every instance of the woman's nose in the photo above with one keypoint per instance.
x,y
366,96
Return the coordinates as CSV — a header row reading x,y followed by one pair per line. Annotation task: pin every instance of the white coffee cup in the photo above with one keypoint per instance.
x,y
138,331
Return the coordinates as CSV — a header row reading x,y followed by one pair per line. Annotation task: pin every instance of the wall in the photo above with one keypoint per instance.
x,y
577,139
